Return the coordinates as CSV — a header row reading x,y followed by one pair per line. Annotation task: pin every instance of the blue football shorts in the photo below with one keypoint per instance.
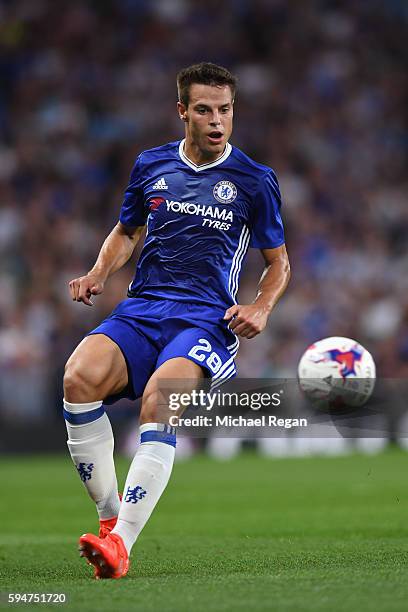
x,y
149,332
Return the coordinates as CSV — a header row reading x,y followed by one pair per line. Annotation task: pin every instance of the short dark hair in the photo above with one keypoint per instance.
x,y
204,73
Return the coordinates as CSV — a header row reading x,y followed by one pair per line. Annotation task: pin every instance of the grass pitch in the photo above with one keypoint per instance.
x,y
251,534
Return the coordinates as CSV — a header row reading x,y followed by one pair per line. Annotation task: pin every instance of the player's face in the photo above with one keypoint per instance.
x,y
208,118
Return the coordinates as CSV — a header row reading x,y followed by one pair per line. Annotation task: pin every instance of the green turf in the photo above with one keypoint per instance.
x,y
251,534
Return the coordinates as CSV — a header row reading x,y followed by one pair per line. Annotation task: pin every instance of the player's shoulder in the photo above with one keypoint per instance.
x,y
166,151
256,176
250,165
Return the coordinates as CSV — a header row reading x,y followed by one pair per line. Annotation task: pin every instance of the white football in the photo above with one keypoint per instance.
x,y
336,373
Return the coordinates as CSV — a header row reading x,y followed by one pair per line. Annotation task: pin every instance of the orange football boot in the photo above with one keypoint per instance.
x,y
106,526
108,555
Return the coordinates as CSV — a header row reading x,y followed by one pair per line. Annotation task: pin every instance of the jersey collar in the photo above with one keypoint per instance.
x,y
184,158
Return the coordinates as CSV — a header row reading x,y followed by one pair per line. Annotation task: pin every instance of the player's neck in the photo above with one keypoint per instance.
x,y
197,156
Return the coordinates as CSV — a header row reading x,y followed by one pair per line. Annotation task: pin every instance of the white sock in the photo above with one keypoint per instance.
x,y
147,478
90,442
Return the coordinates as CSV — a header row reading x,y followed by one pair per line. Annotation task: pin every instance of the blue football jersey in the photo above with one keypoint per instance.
x,y
200,222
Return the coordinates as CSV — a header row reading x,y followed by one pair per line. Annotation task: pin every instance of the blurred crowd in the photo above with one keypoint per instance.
x,y
86,85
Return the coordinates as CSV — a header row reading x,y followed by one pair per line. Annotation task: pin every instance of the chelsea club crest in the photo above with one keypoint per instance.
x,y
225,192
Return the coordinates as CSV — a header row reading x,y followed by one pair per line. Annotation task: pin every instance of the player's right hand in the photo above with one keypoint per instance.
x,y
84,287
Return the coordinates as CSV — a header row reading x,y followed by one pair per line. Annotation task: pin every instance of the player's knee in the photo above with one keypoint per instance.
x,y
155,407
74,383
81,383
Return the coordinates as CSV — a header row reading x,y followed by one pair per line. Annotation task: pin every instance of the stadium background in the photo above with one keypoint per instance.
x,y
85,86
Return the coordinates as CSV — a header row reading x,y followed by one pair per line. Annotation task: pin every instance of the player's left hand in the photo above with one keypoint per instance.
x,y
247,321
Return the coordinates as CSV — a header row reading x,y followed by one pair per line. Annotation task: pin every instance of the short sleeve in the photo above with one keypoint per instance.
x,y
267,227
133,211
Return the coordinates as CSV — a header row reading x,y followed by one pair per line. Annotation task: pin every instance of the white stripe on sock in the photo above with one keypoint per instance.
x,y
81,408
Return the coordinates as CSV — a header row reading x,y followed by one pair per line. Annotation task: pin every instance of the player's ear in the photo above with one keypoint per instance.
x,y
182,111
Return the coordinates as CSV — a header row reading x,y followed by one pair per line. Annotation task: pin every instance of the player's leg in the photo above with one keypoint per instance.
x,y
151,467
149,472
94,371
187,357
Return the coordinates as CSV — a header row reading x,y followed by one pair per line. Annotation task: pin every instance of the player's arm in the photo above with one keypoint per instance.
x,y
249,320
115,252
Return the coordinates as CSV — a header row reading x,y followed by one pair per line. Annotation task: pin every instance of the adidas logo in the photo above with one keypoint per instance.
x,y
161,184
